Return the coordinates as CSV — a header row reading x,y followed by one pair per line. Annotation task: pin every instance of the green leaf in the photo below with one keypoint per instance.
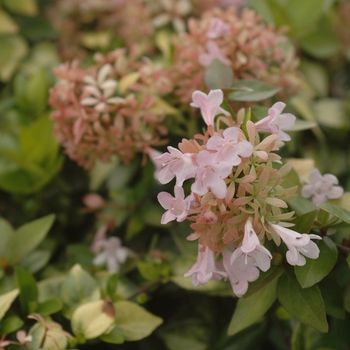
x,y
300,125
306,338
331,291
218,76
152,271
35,260
113,337
304,223
301,205
55,338
251,309
23,7
10,324
13,50
78,288
306,305
347,298
112,284
316,269
6,231
254,91
133,322
264,279
93,319
185,334
27,238
326,107
50,288
7,24
28,294
6,300
49,307
337,211
321,43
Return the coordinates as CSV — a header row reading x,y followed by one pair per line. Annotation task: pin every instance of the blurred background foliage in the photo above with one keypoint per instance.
x,y
47,227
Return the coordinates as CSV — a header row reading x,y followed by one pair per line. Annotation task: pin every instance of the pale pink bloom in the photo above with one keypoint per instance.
x,y
100,236
299,245
276,122
100,90
94,201
321,188
206,268
213,52
154,154
228,146
177,207
240,272
113,254
251,250
217,28
210,175
209,104
175,163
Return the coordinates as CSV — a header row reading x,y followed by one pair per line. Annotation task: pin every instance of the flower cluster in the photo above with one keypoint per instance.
x,y
243,41
237,200
321,188
111,108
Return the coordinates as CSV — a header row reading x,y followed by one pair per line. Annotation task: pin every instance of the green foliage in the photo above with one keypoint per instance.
x,y
306,305
250,90
249,310
218,76
316,269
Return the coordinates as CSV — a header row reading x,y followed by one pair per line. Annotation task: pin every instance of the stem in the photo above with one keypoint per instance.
x,y
43,338
344,249
145,288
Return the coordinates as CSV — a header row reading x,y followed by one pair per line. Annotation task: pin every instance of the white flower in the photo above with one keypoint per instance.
x,y
299,245
321,188
276,122
206,268
113,254
100,90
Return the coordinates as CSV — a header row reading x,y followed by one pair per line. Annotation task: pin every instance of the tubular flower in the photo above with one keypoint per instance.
x,y
321,188
236,201
253,49
96,119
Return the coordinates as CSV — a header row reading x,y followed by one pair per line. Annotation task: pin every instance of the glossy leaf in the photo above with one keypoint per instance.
x,y
254,91
218,76
93,319
316,269
337,211
306,338
264,279
28,290
78,288
49,307
27,238
6,300
304,223
306,305
250,310
133,321
10,324
23,7
331,291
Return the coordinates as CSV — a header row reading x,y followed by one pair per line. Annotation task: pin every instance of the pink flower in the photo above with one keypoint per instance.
x,y
206,59
229,147
175,163
298,245
113,254
210,175
177,207
217,28
252,251
276,122
206,268
239,273
321,187
209,104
